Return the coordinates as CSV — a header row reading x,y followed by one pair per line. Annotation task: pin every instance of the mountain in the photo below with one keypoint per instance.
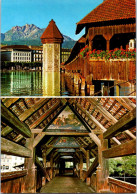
x,y
29,35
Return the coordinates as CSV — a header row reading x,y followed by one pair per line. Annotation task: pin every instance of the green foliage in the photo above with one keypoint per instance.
x,y
66,44
8,64
123,166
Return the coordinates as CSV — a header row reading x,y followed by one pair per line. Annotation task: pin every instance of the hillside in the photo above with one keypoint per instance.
x,y
29,35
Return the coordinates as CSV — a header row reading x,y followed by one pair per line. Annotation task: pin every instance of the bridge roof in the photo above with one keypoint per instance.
x,y
98,115
109,10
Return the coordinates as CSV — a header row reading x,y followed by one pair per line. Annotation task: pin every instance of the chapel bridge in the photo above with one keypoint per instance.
x,y
109,132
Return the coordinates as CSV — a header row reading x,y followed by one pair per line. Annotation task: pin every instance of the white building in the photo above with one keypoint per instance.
x,y
16,53
9,163
37,53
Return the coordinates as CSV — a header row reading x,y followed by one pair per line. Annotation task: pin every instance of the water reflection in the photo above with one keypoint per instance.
x,y
51,83
21,83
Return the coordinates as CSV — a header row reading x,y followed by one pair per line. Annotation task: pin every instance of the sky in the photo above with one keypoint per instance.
x,y
66,13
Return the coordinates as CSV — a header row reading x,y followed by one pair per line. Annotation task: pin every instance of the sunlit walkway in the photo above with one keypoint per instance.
x,y
66,184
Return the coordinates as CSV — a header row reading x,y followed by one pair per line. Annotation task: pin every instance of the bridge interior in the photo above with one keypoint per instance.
x,y
58,146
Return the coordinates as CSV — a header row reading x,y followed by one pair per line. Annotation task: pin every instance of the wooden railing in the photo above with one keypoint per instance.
x,y
100,69
117,186
13,182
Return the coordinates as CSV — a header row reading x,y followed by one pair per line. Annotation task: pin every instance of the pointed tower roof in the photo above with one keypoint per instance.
x,y
51,34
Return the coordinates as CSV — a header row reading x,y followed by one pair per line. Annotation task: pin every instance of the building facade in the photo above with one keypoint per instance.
x,y
37,53
34,54
10,163
16,53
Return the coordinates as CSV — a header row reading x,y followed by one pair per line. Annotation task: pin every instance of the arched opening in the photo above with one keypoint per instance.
x,y
99,43
121,40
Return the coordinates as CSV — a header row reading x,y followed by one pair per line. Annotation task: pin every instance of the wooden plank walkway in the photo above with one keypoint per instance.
x,y
66,184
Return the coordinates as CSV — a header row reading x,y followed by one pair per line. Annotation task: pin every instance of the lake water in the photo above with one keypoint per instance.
x,y
31,84
21,83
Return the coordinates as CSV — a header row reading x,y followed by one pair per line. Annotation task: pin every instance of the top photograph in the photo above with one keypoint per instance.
x,y
68,48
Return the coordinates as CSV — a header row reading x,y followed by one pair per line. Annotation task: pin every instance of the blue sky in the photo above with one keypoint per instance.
x,y
66,13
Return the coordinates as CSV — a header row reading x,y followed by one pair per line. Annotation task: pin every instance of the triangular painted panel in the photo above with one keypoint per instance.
x,y
67,121
66,142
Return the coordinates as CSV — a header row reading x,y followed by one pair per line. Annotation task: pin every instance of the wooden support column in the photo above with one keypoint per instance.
x,y
31,177
44,164
88,164
102,172
51,166
117,90
81,165
90,45
107,45
107,36
88,159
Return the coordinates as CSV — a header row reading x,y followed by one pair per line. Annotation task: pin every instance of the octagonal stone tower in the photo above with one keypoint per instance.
x,y
51,40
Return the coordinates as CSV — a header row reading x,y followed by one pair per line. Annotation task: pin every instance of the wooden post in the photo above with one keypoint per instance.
x,y
87,160
81,166
44,163
51,166
102,172
29,165
117,90
90,45
88,165
108,45
92,89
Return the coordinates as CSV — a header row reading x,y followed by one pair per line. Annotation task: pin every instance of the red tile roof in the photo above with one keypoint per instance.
x,y
110,10
51,33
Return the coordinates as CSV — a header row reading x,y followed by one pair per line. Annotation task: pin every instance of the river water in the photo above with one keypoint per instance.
x,y
20,83
35,83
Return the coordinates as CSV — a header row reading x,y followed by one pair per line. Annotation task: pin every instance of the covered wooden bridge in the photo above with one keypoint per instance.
x,y
108,131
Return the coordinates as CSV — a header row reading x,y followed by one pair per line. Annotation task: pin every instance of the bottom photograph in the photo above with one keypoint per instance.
x,y
68,145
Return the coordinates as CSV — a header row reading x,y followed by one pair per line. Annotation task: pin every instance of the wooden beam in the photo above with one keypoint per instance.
x,y
48,151
84,151
130,134
126,103
127,121
36,130
42,168
79,117
38,138
51,121
6,131
9,101
85,143
95,121
125,149
10,119
11,148
92,168
62,147
27,113
45,115
95,139
64,133
105,113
